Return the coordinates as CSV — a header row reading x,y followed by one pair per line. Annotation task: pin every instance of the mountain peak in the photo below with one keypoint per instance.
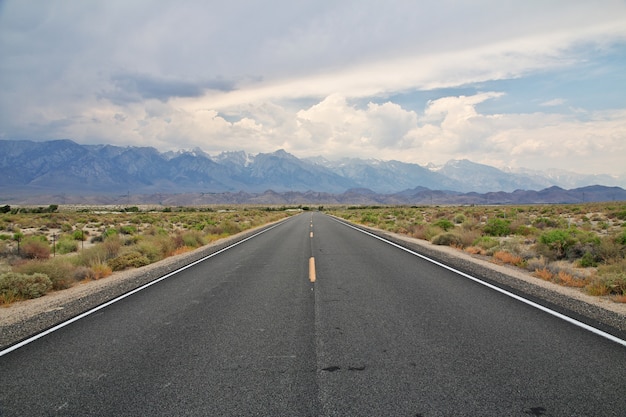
x,y
64,166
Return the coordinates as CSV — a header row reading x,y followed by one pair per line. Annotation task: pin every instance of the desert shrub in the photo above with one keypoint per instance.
x,y
486,242
213,230
587,260
231,227
60,271
543,222
192,238
82,273
469,224
519,228
112,246
80,235
459,219
610,250
35,249
109,233
467,236
554,243
131,259
608,284
66,245
101,270
16,286
444,224
151,249
447,239
91,256
166,245
534,264
128,230
497,227
426,231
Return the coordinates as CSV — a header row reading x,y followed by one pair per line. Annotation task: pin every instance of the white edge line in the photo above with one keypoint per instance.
x,y
127,294
493,287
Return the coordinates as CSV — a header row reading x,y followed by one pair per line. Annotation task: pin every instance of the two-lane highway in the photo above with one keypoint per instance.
x,y
314,318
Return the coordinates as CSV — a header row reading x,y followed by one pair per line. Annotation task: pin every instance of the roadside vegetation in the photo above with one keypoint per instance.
x,y
46,249
581,246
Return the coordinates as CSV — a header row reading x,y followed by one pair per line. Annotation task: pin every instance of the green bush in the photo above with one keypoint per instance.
x,y
444,224
79,235
497,227
486,242
588,260
66,245
554,243
128,230
16,286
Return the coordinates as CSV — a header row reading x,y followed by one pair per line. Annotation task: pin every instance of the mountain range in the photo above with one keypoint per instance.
x,y
63,167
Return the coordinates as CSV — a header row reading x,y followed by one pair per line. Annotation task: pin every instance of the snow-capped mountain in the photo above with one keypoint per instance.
x,y
65,167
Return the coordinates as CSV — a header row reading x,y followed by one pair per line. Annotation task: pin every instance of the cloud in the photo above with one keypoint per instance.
x,y
138,87
321,77
553,103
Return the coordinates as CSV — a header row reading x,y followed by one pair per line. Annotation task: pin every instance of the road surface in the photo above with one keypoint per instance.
x,y
314,318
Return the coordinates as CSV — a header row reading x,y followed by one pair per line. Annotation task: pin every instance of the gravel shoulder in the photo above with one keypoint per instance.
x,y
23,319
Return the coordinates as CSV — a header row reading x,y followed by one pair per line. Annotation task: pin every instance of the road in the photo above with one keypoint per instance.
x,y
380,332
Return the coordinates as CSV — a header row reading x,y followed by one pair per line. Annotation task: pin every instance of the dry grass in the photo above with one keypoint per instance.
x,y
182,249
619,298
568,280
101,270
475,250
508,258
543,274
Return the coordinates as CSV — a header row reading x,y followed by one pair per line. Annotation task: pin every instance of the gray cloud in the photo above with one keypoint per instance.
x,y
129,87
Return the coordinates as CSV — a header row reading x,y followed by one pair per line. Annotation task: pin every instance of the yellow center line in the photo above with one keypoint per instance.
x,y
312,269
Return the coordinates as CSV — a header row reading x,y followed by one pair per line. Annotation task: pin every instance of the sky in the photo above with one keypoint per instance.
x,y
536,84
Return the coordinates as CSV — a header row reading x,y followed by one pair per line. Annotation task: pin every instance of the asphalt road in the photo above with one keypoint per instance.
x,y
380,332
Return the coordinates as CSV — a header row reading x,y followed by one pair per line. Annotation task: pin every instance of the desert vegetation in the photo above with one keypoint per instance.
x,y
581,246
50,248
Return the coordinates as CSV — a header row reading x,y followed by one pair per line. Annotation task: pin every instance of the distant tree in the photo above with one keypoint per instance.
x,y
5,209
